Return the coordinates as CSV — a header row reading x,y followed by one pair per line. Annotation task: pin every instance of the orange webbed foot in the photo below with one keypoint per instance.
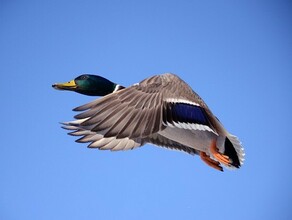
x,y
219,156
210,162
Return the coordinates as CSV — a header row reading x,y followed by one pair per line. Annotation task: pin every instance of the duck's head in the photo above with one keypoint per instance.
x,y
88,84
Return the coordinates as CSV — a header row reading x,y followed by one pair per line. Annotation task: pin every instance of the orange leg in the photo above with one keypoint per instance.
x,y
219,156
210,162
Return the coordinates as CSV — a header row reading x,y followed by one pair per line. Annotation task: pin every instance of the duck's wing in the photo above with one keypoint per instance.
x,y
126,118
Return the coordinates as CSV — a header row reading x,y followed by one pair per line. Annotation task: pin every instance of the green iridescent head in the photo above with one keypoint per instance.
x,y
88,84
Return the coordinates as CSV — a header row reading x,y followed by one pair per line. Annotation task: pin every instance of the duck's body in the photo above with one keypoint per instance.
x,y
162,110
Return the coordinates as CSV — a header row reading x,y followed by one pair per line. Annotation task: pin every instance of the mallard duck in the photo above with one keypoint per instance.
x,y
162,110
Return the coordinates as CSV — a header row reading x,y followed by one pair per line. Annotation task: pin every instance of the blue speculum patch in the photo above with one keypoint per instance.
x,y
188,113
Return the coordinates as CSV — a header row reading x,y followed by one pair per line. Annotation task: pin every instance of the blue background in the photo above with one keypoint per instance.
x,y
236,54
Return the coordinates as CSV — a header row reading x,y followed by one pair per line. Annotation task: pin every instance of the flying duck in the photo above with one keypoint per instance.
x,y
162,110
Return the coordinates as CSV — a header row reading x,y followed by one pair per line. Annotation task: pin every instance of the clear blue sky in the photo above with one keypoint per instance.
x,y
236,54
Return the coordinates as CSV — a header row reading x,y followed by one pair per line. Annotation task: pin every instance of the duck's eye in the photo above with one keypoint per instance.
x,y
83,77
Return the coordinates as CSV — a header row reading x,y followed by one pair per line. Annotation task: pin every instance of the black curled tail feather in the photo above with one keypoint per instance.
x,y
231,153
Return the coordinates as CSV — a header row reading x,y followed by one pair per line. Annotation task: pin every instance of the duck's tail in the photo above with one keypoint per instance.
x,y
231,147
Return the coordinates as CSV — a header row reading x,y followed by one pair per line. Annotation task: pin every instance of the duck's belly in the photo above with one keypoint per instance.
x,y
196,139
